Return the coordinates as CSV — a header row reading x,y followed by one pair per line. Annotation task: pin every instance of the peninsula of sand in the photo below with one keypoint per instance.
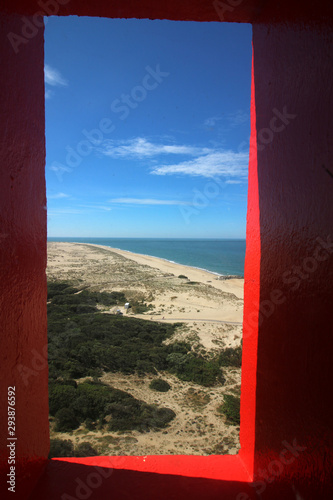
x,y
210,309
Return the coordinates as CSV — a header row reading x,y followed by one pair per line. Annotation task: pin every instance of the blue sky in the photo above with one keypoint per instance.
x,y
147,128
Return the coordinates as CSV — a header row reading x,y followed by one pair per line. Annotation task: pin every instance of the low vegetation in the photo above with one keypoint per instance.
x,y
231,409
86,342
65,448
160,385
93,401
231,356
141,307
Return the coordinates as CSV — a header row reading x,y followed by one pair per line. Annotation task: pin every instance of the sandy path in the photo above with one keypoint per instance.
x,y
206,320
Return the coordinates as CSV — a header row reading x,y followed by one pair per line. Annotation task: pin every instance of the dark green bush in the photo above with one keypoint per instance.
x,y
159,385
181,347
65,448
85,450
183,277
66,420
141,307
231,356
57,288
67,381
92,401
60,396
89,424
84,342
61,448
196,369
231,409
142,417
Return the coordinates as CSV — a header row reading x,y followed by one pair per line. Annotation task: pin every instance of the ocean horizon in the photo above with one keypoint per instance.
x,y
220,256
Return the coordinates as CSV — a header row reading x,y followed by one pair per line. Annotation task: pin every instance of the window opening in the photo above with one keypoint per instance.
x,y
147,127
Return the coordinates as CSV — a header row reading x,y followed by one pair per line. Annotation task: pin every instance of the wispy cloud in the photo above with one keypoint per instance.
x,y
238,118
211,122
217,163
65,211
201,161
78,210
230,120
60,170
49,94
97,207
53,77
140,147
57,196
146,201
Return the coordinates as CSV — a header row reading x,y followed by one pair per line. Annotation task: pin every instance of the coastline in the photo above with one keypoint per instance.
x,y
230,285
223,257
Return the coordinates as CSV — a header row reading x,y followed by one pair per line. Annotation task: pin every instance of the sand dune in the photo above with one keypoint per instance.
x,y
211,312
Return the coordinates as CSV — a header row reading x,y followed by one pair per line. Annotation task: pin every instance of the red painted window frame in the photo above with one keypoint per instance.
x,y
238,467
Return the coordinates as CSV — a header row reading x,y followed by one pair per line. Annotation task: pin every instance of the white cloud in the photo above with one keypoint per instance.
x,y
53,77
65,211
217,163
142,148
97,207
207,162
231,120
211,122
49,94
58,168
146,201
238,118
57,196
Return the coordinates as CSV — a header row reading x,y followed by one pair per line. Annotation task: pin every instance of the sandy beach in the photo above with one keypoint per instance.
x,y
211,311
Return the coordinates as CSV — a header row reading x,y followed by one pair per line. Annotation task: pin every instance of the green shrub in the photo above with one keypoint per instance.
x,y
183,277
92,401
66,420
60,396
231,356
159,385
89,424
84,342
129,415
140,307
181,347
74,368
201,371
195,369
61,448
231,409
85,450
58,288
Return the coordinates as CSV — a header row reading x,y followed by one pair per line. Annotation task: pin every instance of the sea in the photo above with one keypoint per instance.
x,y
221,256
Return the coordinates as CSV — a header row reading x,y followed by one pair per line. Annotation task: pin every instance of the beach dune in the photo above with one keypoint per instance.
x,y
210,311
